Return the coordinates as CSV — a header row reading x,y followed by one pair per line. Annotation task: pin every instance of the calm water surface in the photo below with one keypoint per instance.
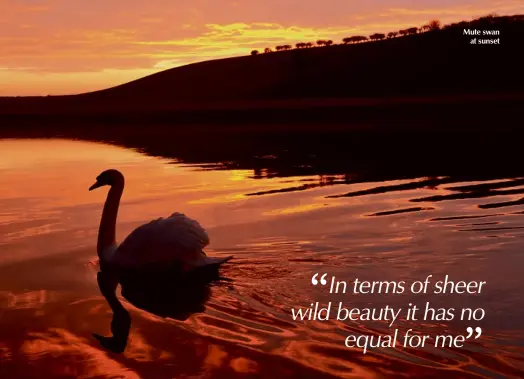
x,y
281,230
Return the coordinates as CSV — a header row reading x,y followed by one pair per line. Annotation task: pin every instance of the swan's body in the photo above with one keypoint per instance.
x,y
151,250
175,239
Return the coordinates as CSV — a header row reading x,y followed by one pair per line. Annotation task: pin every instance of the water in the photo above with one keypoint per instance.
x,y
284,215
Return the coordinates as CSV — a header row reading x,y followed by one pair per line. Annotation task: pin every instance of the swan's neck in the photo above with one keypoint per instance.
x,y
106,233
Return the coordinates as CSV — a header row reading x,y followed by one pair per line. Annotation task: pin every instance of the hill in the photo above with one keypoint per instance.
x,y
434,67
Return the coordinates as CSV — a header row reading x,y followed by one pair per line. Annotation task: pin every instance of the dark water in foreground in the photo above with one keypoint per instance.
x,y
282,222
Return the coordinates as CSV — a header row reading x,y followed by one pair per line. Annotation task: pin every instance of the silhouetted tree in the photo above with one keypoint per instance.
x,y
286,47
403,32
328,42
309,44
413,30
392,34
354,39
377,36
267,50
278,48
254,52
434,25
321,42
300,45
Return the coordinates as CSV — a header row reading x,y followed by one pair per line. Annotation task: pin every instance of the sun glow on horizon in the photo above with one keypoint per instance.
x,y
101,45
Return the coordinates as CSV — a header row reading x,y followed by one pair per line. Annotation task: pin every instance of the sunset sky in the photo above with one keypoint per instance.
x,y
71,46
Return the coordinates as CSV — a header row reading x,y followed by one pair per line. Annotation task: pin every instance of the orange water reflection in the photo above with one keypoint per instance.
x,y
50,303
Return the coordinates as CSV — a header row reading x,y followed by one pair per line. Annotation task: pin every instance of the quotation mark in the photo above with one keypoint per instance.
x,y
478,330
322,279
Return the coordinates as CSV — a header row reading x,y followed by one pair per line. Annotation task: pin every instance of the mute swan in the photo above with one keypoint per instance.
x,y
175,239
154,248
176,298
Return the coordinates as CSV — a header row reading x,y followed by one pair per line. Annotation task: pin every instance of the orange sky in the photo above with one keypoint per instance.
x,y
71,46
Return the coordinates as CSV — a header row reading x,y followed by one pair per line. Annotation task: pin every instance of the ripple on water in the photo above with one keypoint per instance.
x,y
282,227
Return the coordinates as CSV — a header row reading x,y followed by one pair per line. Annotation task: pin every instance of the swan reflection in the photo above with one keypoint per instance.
x,y
169,293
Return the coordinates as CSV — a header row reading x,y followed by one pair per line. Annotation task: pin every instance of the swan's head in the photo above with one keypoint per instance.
x,y
108,178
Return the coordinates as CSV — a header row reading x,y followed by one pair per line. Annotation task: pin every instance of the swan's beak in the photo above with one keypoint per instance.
x,y
96,185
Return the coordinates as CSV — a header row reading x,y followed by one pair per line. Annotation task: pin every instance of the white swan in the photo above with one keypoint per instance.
x,y
152,248
175,239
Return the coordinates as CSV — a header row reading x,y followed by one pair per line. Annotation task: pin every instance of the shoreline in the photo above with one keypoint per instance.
x,y
453,113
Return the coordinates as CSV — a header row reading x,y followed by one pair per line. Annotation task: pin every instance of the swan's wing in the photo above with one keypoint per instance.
x,y
175,238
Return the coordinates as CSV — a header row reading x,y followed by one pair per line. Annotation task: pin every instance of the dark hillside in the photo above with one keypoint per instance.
x,y
438,62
